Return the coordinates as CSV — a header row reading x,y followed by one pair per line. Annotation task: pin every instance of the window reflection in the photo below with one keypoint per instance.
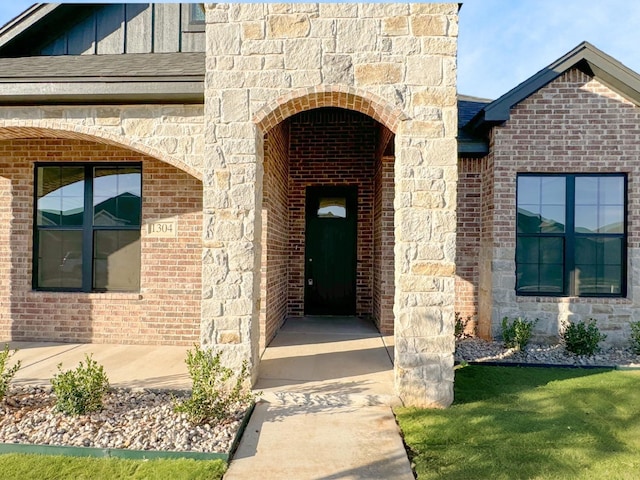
x,y
571,235
116,263
332,207
60,259
600,204
541,204
60,196
116,196
76,253
196,13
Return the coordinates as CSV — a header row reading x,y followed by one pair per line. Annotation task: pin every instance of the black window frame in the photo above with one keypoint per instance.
x,y
87,228
569,237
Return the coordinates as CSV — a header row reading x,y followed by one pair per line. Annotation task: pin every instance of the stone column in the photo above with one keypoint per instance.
x,y
394,62
425,217
425,226
232,204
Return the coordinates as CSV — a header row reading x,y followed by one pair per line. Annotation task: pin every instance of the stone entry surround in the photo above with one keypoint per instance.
x,y
393,62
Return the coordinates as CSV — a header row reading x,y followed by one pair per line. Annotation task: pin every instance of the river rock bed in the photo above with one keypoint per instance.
x,y
137,420
478,350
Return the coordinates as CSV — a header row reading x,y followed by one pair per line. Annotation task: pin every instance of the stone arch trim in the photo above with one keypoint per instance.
x,y
16,129
350,98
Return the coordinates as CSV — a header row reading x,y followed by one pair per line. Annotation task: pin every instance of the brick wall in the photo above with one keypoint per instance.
x,y
167,308
468,236
383,241
574,124
275,233
332,147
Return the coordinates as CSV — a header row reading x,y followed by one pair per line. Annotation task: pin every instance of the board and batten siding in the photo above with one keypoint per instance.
x,y
131,28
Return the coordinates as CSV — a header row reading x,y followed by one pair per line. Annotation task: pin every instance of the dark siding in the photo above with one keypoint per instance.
x,y
126,28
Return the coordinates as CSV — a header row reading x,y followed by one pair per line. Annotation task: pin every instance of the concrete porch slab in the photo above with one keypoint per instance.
x,y
130,366
337,357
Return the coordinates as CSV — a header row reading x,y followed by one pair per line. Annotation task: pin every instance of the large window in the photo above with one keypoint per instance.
x,y
87,234
571,235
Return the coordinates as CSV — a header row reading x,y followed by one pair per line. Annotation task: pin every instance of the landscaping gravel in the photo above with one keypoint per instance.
x,y
477,350
137,420
145,420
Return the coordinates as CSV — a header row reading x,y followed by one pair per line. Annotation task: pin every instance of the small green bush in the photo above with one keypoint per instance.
x,y
6,373
461,325
81,390
635,337
583,338
517,333
214,391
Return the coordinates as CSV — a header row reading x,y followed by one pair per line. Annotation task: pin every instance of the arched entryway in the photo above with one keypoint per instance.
x,y
327,212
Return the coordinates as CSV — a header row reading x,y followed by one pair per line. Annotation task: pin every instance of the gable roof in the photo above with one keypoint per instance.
x,y
585,57
31,21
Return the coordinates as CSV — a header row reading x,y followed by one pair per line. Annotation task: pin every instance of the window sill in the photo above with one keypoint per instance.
x,y
543,299
90,295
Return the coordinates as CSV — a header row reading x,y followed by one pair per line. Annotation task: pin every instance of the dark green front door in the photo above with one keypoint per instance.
x,y
330,260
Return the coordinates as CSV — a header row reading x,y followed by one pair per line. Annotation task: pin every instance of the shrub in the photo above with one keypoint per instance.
x,y
81,390
517,333
583,338
461,325
7,374
214,391
635,337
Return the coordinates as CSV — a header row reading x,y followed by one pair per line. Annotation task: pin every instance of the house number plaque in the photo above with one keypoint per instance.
x,y
163,229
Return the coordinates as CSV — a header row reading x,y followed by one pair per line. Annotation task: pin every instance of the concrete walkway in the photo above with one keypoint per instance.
x,y
325,413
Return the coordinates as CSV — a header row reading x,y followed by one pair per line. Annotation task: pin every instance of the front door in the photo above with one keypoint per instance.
x,y
330,251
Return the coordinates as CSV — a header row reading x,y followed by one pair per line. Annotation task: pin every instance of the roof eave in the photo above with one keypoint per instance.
x,y
472,148
52,93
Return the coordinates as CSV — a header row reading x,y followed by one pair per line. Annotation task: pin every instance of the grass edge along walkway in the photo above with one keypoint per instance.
x,y
530,423
38,467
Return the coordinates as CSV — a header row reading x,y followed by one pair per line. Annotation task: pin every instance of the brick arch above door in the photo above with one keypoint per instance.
x,y
350,98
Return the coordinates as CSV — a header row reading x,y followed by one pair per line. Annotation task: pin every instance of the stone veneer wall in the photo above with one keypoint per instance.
x,y
171,133
574,124
393,62
165,311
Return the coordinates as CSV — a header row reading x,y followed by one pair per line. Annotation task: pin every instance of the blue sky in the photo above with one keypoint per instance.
x,y
504,42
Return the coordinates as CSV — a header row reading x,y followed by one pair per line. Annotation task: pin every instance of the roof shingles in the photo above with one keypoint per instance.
x,y
155,66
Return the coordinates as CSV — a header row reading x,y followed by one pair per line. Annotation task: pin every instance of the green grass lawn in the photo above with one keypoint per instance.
x,y
43,467
530,423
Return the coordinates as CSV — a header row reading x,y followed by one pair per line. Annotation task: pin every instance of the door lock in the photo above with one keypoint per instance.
x,y
310,282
